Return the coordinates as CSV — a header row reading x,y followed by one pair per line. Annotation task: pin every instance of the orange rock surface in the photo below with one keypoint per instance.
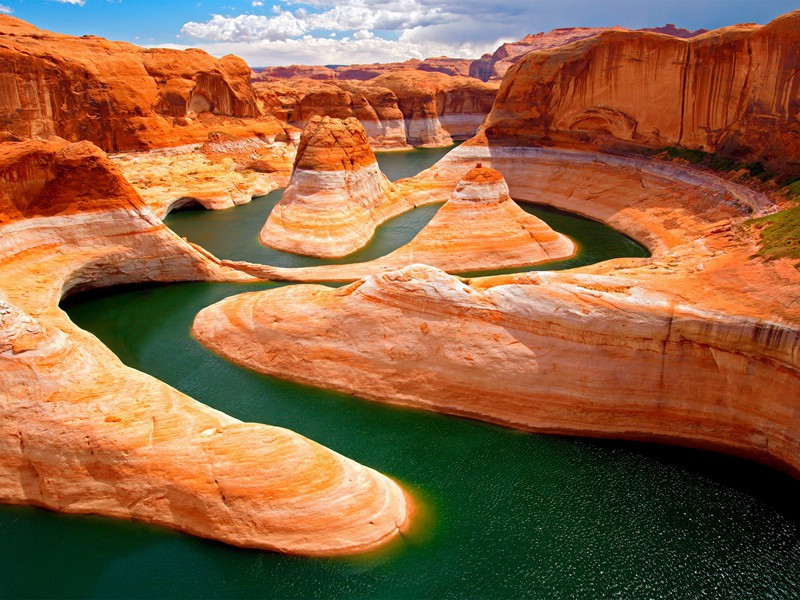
x,y
398,108
293,71
82,433
296,102
492,67
336,196
731,91
479,228
120,96
438,108
696,345
438,64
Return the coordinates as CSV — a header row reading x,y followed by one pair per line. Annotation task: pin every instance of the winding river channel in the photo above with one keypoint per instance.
x,y
503,513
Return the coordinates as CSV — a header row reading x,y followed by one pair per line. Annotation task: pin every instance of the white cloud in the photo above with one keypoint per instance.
x,y
6,10
349,15
311,50
75,2
257,3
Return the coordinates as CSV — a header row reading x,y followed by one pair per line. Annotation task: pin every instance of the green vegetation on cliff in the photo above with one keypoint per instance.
x,y
780,234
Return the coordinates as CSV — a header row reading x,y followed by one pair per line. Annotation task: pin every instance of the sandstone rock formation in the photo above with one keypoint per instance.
x,y
479,228
117,95
731,91
82,433
492,67
398,108
126,98
336,196
696,345
438,64
437,108
375,106
218,174
294,71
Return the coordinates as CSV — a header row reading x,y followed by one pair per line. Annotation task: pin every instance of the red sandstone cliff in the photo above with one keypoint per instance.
x,y
494,66
397,108
733,91
118,95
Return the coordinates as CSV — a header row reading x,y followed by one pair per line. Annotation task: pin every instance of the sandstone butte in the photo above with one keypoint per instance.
x,y
479,228
732,91
336,196
166,106
697,345
82,433
399,108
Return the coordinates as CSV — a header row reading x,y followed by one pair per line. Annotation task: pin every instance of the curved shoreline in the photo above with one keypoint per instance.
x,y
82,433
708,319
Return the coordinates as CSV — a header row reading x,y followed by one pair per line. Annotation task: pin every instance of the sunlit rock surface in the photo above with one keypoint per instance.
x,y
336,196
82,433
731,91
697,345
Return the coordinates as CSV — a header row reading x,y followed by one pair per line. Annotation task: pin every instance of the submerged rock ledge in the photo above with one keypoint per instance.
x,y
697,345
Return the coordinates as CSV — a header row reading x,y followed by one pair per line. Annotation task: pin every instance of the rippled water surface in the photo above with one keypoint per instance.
x,y
504,513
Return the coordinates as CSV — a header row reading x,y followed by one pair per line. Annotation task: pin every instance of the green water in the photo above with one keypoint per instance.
x,y
506,514
233,234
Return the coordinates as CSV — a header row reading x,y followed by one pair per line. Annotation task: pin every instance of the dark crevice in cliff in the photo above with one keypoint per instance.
x,y
684,81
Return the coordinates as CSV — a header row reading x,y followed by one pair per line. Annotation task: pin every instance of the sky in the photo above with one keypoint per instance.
x,y
321,32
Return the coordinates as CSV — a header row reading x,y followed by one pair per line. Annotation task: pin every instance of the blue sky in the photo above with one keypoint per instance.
x,y
272,32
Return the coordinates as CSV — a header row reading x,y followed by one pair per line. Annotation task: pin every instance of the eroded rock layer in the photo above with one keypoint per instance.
x,y
120,96
397,109
732,91
82,433
479,228
697,345
336,196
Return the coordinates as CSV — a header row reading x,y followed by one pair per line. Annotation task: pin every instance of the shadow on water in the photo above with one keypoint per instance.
x,y
507,514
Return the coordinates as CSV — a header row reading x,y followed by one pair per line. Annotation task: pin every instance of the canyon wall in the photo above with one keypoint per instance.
x,y
82,433
120,96
732,91
399,108
493,67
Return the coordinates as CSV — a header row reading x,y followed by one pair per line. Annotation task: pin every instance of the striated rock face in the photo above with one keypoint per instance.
x,y
437,108
696,345
292,72
479,228
731,91
117,95
376,107
82,433
397,109
208,176
336,196
440,64
493,67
